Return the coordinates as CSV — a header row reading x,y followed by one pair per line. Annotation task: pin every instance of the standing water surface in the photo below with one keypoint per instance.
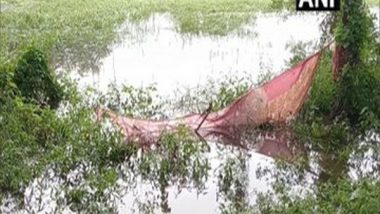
x,y
155,52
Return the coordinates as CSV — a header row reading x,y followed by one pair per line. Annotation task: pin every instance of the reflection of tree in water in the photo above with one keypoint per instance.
x,y
184,165
233,183
83,58
326,168
332,167
75,53
177,161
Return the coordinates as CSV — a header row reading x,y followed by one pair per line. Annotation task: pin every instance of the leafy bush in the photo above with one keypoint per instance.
x,y
359,90
343,197
323,91
35,80
7,88
358,87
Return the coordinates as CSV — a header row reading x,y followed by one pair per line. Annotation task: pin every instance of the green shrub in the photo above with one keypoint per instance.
x,y
7,87
358,87
35,80
343,197
359,91
323,91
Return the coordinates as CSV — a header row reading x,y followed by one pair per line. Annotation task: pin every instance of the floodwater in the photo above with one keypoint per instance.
x,y
211,198
155,52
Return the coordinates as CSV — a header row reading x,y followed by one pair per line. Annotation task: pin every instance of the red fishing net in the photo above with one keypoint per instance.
x,y
277,101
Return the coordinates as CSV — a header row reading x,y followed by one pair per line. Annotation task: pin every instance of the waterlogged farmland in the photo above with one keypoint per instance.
x,y
161,59
174,60
82,36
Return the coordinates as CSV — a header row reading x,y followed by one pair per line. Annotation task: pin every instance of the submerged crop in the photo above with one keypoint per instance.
x,y
80,38
85,165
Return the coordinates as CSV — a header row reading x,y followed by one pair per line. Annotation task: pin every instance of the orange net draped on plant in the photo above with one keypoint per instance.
x,y
274,102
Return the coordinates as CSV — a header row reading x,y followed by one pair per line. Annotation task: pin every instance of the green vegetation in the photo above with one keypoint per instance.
x,y
75,38
373,3
80,38
216,17
339,122
35,81
64,145
70,36
54,146
358,86
345,197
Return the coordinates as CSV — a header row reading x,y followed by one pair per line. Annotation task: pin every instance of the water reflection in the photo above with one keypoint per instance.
x,y
281,144
232,183
229,178
79,59
154,51
238,176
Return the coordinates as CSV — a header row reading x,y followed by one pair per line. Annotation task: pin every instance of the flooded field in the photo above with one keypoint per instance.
x,y
185,57
155,52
